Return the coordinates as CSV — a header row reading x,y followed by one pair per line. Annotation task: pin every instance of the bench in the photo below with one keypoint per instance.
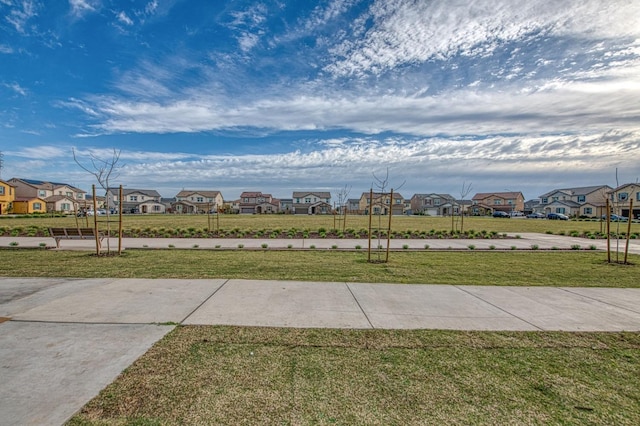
x,y
59,234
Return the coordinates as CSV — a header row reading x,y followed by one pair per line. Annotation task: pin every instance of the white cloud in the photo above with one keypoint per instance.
x,y
123,18
406,32
6,49
16,88
80,8
22,13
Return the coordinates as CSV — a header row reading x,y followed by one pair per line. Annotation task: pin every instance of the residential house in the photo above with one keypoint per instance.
x,y
29,205
318,202
353,206
7,195
258,203
434,204
59,197
382,203
286,205
588,201
484,203
196,201
626,200
136,200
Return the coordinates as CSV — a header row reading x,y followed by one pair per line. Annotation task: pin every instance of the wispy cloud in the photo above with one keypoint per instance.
x,y
123,18
21,13
80,8
16,88
6,49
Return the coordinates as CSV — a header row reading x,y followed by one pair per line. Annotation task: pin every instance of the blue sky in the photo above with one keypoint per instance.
x,y
281,96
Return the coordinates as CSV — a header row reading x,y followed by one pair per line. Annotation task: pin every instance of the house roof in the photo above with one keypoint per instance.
x,y
319,194
484,195
433,194
128,191
26,199
583,190
188,192
7,183
43,183
250,194
380,194
56,198
625,185
567,203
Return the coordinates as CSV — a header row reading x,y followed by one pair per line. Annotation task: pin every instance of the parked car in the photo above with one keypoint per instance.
x,y
516,214
557,216
536,215
615,218
501,214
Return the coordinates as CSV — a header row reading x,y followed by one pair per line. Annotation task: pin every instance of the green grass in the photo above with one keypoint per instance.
x,y
518,268
315,223
247,376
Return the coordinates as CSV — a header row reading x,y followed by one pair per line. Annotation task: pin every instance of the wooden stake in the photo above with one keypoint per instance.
x,y
95,219
626,247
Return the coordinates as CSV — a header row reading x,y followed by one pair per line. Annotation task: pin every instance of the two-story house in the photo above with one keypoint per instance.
x,y
257,203
7,196
434,204
197,201
353,206
317,202
382,203
588,201
625,198
136,200
484,203
57,196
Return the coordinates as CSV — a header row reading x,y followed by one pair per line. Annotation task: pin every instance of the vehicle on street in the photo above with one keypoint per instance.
x,y
501,214
615,218
557,216
536,215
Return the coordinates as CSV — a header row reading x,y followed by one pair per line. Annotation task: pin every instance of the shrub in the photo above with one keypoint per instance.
x,y
334,246
195,246
513,247
554,248
240,246
171,246
426,246
358,247
312,246
264,245
405,246
549,232
43,245
218,245
575,247
534,247
13,243
289,246
471,247
593,247
492,247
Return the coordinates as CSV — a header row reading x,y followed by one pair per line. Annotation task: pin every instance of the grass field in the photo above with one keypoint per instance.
x,y
519,268
300,222
247,376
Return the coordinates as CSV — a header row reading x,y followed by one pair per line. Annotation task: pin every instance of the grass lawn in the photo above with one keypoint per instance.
x,y
160,223
518,268
240,375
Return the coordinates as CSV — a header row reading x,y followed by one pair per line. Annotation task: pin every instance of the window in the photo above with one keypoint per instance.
x,y
307,200
42,193
436,202
554,198
65,206
510,202
623,196
545,200
560,210
70,194
156,208
497,202
398,201
133,198
638,195
581,198
199,200
587,210
297,200
37,206
1,190
245,200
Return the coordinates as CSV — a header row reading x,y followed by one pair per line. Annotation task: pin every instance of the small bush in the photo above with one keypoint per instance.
x,y
264,245
549,232
575,247
312,246
513,247
471,247
334,246
195,246
358,247
13,243
426,246
492,247
534,247
518,237
218,246
405,246
240,246
593,247
171,246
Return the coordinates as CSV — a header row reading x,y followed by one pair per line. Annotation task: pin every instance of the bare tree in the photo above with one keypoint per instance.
x,y
341,207
379,199
103,170
464,191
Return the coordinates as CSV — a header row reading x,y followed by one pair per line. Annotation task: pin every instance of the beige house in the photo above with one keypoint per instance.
x,y
484,203
317,202
258,203
586,201
197,201
434,204
382,203
624,198
136,200
60,197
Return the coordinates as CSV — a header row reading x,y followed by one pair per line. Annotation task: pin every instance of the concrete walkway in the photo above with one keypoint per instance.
x,y
524,241
63,340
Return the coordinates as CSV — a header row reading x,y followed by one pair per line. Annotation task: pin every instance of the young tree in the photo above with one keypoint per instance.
x,y
103,170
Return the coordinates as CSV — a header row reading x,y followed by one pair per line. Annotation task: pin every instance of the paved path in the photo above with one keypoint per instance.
x,y
63,340
525,241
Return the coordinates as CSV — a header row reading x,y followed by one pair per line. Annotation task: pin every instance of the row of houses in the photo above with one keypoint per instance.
x,y
19,196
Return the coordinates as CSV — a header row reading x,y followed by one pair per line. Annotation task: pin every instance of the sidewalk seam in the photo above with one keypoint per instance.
x,y
568,290
498,307
359,306
204,301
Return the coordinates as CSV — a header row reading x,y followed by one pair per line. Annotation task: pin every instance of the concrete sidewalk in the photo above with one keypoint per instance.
x,y
525,241
63,340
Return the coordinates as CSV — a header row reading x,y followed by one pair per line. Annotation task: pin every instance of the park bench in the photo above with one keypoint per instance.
x,y
59,234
